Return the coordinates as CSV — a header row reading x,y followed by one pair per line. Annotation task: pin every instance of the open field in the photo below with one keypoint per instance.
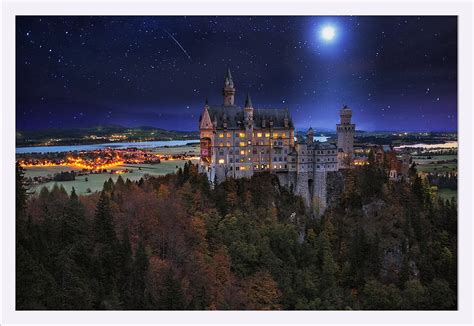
x,y
444,167
187,149
96,181
447,193
440,163
426,159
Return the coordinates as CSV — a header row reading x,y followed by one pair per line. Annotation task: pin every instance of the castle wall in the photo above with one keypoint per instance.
x,y
334,187
319,192
283,179
301,186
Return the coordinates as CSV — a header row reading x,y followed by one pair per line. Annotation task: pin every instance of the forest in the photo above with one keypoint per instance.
x,y
175,242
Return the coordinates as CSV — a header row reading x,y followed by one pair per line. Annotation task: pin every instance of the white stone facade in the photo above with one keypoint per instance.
x,y
239,142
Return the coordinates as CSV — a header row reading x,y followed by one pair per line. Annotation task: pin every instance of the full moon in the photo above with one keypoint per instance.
x,y
328,33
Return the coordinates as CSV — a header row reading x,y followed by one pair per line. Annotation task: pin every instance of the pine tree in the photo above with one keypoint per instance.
x,y
126,272
106,254
135,292
329,267
140,268
103,227
120,184
21,193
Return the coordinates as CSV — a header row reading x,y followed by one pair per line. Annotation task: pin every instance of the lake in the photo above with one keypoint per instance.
x,y
117,145
448,144
91,147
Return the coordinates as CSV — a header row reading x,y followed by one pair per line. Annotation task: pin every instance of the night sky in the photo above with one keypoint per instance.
x,y
396,73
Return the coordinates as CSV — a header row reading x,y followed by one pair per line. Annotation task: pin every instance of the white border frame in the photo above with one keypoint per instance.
x,y
260,7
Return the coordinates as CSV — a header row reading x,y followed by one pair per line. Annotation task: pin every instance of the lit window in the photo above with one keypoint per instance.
x,y
259,134
242,135
228,144
229,135
274,166
267,134
221,144
221,135
242,152
275,135
221,161
242,144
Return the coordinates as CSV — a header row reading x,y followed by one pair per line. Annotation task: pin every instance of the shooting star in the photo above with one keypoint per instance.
x,y
179,44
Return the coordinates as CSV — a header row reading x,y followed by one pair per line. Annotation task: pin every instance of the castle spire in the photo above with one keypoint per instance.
x,y
228,79
228,91
248,101
248,111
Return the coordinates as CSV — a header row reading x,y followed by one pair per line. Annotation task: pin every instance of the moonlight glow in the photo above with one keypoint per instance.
x,y
328,33
100,66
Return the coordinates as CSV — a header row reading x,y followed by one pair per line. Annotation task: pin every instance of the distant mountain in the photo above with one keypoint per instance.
x,y
316,130
98,134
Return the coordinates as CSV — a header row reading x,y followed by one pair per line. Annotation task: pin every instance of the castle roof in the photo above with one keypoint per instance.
x,y
248,102
234,115
317,145
324,145
228,79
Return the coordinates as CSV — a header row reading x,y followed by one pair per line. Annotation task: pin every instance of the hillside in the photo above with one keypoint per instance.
x,y
175,243
99,134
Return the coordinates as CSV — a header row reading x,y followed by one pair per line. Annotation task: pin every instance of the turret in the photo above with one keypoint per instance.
x,y
346,115
228,91
345,138
205,119
248,109
214,122
310,135
286,120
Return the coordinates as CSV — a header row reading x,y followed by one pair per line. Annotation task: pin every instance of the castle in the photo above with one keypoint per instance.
x,y
239,142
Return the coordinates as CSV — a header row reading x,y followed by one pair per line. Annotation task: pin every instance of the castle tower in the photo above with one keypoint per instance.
x,y
406,162
228,91
310,136
345,138
248,112
206,128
